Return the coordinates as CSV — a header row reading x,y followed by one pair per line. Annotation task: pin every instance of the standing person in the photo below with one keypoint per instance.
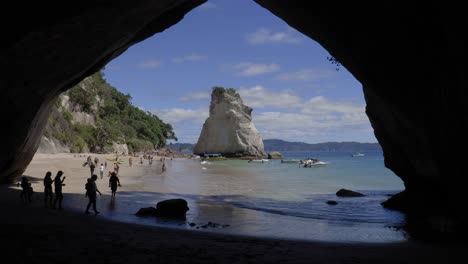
x,y
130,161
101,170
113,183
91,192
105,164
116,168
164,167
91,168
58,183
48,195
96,160
25,194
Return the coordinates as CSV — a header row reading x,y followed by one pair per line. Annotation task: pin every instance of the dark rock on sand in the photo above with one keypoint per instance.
x,y
172,208
147,211
348,193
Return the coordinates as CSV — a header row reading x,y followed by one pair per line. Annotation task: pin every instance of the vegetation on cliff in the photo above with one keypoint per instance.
x,y
110,117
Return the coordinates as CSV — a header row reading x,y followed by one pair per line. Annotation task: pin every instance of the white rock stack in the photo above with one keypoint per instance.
x,y
229,129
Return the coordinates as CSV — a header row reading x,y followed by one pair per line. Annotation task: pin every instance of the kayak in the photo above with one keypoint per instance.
x,y
113,159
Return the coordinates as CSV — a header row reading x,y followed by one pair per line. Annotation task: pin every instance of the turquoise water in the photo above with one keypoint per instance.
x,y
275,199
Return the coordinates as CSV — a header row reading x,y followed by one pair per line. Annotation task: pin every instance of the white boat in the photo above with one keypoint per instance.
x,y
312,163
358,154
259,160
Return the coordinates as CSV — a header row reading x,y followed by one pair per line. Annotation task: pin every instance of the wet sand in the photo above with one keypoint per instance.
x,y
32,233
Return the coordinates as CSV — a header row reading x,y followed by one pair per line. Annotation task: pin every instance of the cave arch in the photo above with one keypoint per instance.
x,y
409,58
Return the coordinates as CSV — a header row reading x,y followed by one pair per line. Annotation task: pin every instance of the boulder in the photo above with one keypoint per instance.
x,y
172,208
348,193
275,155
147,211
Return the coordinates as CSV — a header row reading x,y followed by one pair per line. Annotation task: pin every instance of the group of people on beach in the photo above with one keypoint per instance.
x,y
27,190
58,182
90,186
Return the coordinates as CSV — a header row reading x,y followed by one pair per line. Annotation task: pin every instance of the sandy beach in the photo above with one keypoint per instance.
x,y
35,234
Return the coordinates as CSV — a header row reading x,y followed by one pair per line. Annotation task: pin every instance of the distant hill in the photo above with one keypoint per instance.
x,y
281,145
181,147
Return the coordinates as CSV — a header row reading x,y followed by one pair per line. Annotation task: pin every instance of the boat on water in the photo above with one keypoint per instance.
x,y
259,160
308,163
290,161
358,154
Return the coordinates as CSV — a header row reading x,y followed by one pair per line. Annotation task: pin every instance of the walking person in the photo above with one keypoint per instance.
x,y
58,183
113,183
164,167
48,195
101,170
91,168
116,168
91,192
130,161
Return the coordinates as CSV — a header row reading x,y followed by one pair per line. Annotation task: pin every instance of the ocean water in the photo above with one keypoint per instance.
x,y
275,199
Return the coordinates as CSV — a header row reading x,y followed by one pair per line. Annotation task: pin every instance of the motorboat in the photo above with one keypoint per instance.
x,y
259,160
358,154
308,163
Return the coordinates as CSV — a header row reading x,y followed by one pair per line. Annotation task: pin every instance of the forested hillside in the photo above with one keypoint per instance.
x,y
93,115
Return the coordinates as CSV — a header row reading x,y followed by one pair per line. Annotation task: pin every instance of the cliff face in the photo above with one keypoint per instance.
x,y
229,129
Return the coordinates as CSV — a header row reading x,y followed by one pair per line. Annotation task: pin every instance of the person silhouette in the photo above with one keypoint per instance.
x,y
58,183
26,192
92,189
113,183
48,195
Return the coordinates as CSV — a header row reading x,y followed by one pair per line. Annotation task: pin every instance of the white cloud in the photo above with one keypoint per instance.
x,y
177,116
150,64
306,75
186,123
259,97
252,69
187,58
320,105
265,36
196,96
330,119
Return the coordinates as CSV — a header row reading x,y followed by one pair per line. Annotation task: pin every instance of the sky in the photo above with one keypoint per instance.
x,y
296,93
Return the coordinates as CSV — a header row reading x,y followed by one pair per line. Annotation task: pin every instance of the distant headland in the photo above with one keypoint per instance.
x,y
282,145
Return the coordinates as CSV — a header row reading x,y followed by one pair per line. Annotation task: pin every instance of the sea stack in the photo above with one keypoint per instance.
x,y
229,129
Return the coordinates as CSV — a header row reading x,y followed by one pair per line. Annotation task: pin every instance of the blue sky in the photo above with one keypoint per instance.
x,y
296,93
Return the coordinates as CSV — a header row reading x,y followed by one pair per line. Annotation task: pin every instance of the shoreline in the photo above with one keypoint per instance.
x,y
37,234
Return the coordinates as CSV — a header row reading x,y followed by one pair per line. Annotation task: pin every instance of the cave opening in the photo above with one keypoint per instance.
x,y
298,93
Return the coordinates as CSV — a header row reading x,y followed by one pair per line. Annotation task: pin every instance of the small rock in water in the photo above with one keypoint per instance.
x,y
332,202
